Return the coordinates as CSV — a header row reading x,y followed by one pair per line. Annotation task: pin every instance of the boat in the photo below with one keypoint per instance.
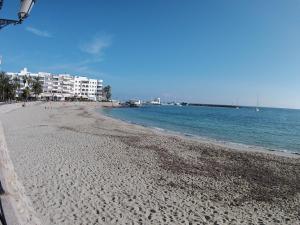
x,y
237,104
135,103
257,105
184,103
155,102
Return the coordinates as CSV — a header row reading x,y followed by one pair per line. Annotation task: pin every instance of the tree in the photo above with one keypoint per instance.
x,y
107,92
36,86
24,79
2,85
8,87
27,80
15,85
26,93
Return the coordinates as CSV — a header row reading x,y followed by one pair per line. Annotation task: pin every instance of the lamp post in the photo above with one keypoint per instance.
x,y
26,6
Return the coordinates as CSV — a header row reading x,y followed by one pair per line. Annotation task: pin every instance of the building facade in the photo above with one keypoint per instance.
x,y
62,86
88,88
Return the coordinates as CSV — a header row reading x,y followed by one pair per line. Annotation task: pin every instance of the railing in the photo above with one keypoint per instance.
x,y
2,217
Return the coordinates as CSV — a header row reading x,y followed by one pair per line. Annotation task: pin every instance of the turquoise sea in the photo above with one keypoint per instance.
x,y
270,128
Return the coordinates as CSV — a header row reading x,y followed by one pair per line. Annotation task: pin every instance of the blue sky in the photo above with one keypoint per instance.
x,y
208,51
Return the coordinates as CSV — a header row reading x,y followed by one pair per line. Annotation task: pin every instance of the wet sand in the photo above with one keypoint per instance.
x,y
80,167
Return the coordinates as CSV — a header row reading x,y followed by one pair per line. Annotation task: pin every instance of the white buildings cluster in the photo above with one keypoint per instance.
x,y
63,86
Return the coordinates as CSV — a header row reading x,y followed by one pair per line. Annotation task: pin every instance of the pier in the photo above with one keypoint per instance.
x,y
213,105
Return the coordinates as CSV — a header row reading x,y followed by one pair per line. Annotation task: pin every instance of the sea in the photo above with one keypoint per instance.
x,y
271,128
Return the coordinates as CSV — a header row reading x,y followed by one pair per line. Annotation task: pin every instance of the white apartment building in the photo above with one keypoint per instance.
x,y
58,87
88,88
63,86
21,75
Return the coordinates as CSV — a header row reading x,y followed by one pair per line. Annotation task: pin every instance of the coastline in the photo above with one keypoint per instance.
x,y
81,167
225,144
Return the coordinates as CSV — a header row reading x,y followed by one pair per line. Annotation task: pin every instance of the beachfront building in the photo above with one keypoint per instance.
x,y
99,90
58,87
62,86
22,79
88,88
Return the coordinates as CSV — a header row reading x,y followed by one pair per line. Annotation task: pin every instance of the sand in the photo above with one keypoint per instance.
x,y
15,203
80,167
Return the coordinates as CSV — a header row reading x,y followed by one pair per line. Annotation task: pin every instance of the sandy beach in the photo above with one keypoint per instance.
x,y
80,167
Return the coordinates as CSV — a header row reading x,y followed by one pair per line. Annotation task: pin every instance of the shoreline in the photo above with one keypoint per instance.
x,y
79,166
226,144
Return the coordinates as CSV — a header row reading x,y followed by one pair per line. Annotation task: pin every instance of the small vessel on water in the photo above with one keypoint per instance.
x,y
135,103
237,104
156,101
257,105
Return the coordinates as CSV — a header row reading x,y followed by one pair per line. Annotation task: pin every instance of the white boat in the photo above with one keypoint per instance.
x,y
155,101
257,105
237,104
135,103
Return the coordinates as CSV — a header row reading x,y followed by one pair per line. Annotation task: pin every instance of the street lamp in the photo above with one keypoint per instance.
x,y
26,6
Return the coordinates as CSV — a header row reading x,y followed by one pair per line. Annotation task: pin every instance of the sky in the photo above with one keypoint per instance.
x,y
200,51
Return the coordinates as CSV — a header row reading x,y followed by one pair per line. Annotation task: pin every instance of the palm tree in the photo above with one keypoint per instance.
x,y
24,80
36,86
15,85
9,90
27,80
107,92
26,93
4,86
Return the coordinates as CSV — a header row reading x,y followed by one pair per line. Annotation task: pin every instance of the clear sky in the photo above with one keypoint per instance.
x,y
207,51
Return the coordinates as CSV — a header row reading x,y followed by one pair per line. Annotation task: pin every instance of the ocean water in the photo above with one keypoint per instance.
x,y
272,129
